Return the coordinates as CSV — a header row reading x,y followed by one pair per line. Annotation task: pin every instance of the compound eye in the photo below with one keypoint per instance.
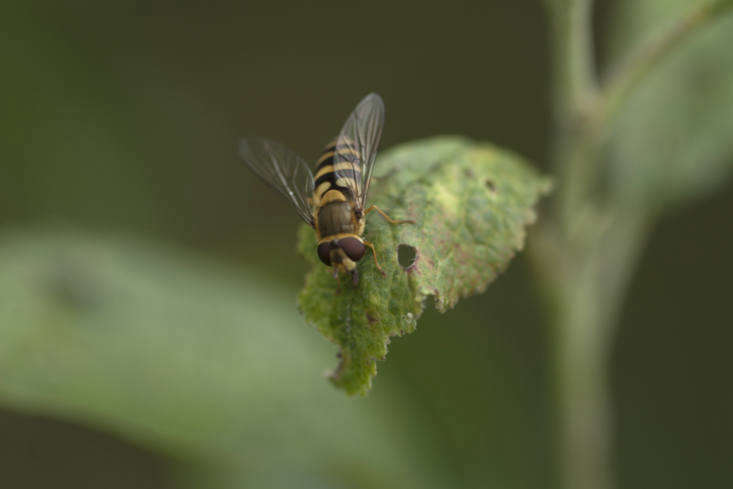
x,y
324,253
353,248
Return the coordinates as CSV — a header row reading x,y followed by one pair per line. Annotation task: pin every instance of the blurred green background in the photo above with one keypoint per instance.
x,y
119,128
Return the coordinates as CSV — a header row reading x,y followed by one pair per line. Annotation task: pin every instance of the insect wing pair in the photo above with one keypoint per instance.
x,y
288,173
333,201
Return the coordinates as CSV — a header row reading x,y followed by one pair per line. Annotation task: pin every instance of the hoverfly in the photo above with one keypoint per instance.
x,y
333,201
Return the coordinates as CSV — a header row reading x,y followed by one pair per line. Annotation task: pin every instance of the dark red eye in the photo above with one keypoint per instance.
x,y
324,253
353,248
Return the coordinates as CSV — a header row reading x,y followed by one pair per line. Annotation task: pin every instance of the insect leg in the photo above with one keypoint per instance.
x,y
384,215
374,254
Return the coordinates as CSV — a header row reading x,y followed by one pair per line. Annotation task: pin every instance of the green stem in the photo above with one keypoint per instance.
x,y
591,296
587,251
575,90
571,37
579,369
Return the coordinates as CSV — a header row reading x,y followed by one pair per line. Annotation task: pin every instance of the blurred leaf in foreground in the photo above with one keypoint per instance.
x,y
182,356
471,203
674,137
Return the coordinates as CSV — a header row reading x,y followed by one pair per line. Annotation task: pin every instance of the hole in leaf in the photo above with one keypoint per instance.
x,y
490,185
406,255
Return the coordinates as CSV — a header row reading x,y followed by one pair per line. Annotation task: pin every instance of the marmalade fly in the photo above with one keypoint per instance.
x,y
333,201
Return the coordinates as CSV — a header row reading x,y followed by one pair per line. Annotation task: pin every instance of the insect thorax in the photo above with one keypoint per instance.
x,y
336,218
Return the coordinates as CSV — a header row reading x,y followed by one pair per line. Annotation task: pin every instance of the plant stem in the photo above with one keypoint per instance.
x,y
591,292
580,358
572,45
587,250
575,90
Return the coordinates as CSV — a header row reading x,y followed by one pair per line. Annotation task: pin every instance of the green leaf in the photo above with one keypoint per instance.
x,y
673,139
471,203
183,356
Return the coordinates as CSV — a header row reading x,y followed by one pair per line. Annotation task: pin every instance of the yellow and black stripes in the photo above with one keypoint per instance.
x,y
338,174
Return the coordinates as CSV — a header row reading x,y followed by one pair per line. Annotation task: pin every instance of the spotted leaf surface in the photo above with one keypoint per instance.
x,y
471,203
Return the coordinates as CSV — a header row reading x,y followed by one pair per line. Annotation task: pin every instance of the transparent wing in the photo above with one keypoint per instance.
x,y
283,170
361,133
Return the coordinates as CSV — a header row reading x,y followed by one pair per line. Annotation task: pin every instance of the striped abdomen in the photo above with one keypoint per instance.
x,y
338,173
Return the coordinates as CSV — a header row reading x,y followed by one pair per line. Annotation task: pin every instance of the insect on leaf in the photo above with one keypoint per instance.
x,y
471,203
